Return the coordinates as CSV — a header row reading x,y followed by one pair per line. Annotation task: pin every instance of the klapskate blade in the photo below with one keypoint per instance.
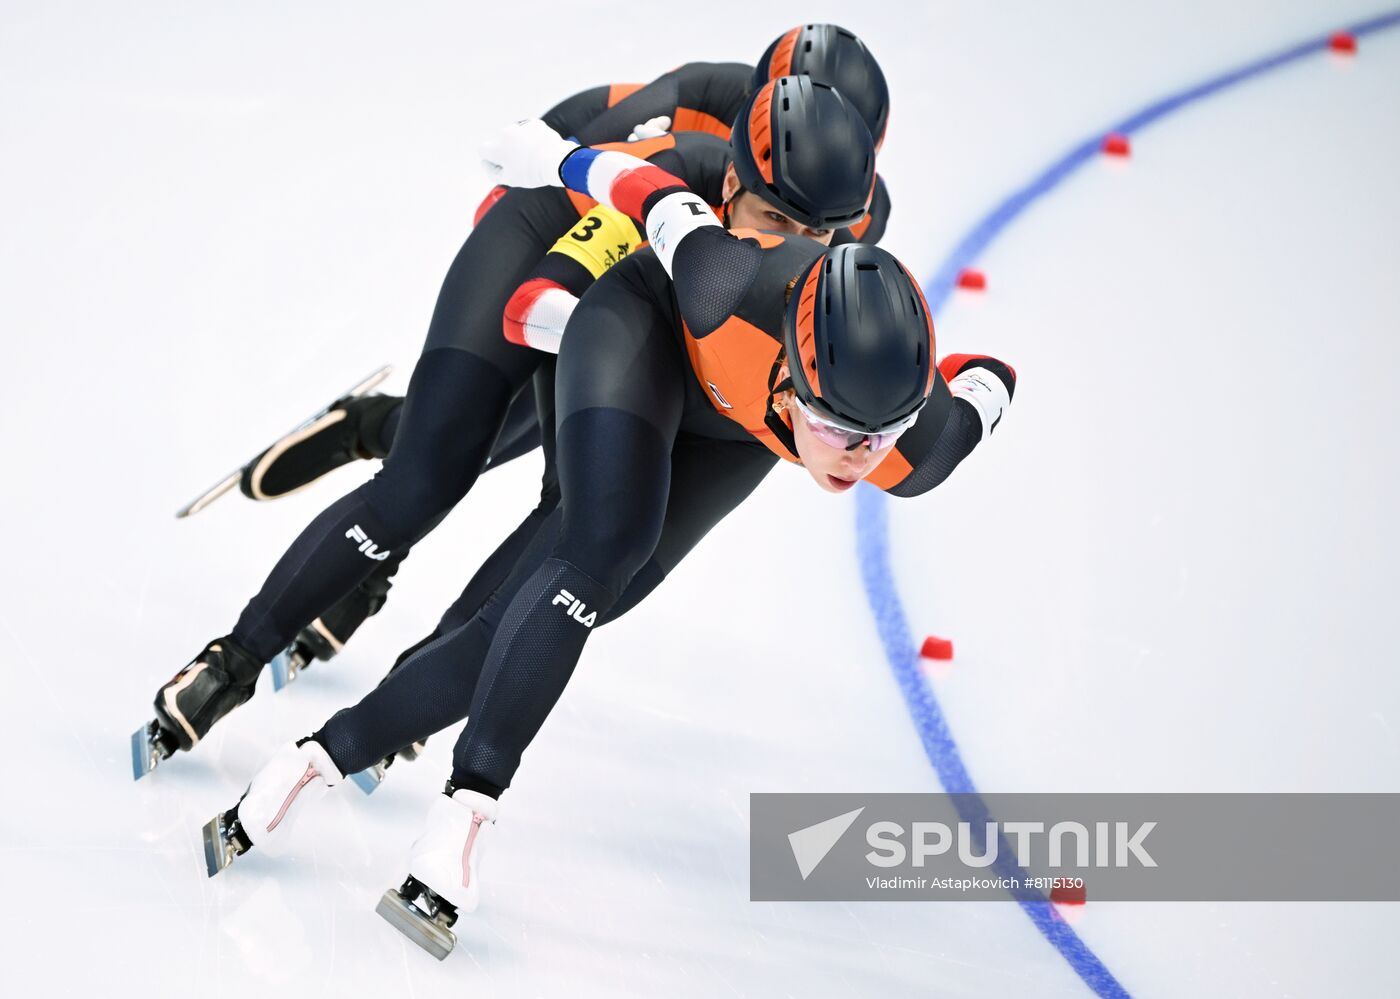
x,y
368,780
144,756
227,483
210,495
217,852
405,917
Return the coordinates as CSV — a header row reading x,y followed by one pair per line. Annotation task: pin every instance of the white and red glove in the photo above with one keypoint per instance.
x,y
526,154
986,392
652,128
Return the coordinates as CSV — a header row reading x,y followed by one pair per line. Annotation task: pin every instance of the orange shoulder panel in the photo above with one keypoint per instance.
x,y
642,148
582,203
690,120
765,240
621,91
890,472
733,364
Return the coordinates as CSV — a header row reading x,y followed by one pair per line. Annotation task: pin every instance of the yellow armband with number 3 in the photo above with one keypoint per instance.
x,y
602,238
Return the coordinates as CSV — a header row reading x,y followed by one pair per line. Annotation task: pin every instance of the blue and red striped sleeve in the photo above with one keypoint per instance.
x,y
618,180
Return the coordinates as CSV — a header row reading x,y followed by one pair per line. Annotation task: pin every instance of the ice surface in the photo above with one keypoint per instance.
x,y
1171,570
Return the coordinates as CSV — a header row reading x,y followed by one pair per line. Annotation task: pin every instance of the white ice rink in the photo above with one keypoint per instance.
x,y
1171,570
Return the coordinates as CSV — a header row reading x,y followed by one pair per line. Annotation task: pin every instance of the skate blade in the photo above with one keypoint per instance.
x,y
218,851
209,495
145,757
285,666
228,482
368,780
413,923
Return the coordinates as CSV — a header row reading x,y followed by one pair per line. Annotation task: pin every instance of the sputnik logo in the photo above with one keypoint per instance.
x,y
811,845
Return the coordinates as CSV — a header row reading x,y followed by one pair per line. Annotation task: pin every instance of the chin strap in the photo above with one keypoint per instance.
x,y
773,420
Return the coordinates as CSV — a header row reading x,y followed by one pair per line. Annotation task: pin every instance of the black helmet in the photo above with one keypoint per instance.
x,y
801,145
832,55
859,339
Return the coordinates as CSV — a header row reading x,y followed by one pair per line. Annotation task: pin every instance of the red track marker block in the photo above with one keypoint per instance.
x,y
1065,895
1116,145
972,280
937,648
1342,42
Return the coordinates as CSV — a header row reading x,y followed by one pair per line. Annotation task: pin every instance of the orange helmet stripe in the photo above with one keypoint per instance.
x,y
805,334
761,132
781,63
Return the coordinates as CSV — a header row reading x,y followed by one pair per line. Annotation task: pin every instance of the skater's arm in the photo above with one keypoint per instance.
x,y
537,313
530,154
968,400
697,97
571,115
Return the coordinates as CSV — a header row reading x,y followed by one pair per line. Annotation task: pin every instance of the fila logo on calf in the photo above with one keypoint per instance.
x,y
575,608
357,534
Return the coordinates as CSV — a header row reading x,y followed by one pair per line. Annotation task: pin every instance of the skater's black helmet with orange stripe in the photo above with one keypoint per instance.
x,y
832,55
801,146
859,340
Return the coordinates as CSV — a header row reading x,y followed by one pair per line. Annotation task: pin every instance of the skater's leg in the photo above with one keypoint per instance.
x,y
709,478
324,637
442,446
457,399
503,560
431,687
359,429
620,396
520,434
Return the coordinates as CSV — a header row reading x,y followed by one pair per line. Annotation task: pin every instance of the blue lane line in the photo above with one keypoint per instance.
x,y
941,285
872,518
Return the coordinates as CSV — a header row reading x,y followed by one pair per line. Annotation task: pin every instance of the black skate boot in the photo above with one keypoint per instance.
x,y
303,462
215,682
348,431
324,637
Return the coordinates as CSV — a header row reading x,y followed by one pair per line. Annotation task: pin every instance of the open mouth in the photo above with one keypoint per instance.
x,y
840,484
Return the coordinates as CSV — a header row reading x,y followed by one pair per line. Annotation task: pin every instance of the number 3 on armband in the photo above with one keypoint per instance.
x,y
585,232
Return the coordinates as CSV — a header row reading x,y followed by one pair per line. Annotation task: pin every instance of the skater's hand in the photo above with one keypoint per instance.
x,y
652,128
526,154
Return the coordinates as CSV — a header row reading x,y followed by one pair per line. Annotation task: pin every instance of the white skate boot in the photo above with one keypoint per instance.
x,y
443,879
267,813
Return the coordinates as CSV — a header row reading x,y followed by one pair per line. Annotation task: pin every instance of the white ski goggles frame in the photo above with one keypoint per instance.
x,y
847,438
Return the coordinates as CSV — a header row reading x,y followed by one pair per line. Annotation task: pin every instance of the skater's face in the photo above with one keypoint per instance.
x,y
749,211
834,469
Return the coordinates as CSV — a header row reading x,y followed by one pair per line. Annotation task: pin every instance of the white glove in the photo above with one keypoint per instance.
x,y
986,392
653,128
526,154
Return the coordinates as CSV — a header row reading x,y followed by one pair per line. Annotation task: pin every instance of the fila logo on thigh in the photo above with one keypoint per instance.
x,y
575,609
357,534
